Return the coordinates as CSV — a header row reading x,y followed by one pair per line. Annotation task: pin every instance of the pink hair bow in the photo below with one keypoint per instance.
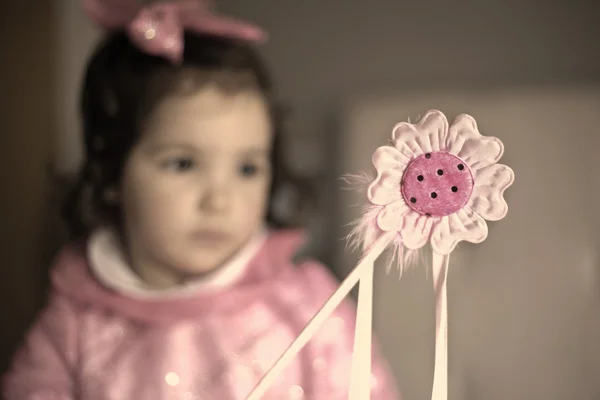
x,y
157,29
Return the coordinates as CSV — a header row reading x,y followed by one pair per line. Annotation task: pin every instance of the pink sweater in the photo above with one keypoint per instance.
x,y
91,342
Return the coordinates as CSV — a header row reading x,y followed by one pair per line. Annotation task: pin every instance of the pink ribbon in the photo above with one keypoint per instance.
x,y
157,29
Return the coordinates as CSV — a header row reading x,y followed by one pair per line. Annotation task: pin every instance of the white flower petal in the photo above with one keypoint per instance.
x,y
463,225
463,127
480,153
465,142
490,183
385,189
416,230
390,165
387,157
392,216
428,135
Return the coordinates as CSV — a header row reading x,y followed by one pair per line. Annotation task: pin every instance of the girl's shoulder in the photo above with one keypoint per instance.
x,y
281,245
319,279
69,268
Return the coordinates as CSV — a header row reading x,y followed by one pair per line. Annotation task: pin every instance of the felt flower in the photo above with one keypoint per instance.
x,y
436,183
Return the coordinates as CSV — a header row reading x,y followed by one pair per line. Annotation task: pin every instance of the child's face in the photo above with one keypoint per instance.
x,y
196,185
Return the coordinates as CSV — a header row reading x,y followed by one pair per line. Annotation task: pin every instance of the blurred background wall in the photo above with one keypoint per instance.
x,y
325,56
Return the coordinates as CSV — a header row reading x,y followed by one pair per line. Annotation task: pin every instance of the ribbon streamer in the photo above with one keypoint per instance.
x,y
360,376
440,372
321,316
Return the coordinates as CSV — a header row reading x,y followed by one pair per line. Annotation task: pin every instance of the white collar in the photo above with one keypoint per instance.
x,y
109,266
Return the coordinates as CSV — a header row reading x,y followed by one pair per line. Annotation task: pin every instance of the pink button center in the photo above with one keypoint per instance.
x,y
437,184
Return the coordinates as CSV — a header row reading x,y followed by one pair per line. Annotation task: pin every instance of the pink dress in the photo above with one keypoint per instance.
x,y
103,336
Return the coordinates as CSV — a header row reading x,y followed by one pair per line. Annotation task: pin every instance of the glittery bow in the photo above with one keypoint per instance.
x,y
157,29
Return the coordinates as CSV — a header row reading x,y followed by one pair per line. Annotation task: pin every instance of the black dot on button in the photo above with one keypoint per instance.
x,y
461,167
413,200
427,214
433,195
427,155
440,172
454,189
420,178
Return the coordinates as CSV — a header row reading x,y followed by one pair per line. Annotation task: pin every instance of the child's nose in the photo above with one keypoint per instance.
x,y
217,196
215,201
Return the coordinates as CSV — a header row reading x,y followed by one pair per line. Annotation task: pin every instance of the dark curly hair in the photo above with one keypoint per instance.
x,y
121,87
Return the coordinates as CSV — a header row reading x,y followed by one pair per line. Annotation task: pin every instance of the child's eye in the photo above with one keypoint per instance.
x,y
248,169
181,164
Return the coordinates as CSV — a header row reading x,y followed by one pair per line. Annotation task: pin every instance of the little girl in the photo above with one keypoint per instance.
x,y
177,284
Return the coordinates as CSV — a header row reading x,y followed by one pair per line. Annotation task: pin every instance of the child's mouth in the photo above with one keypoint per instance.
x,y
210,236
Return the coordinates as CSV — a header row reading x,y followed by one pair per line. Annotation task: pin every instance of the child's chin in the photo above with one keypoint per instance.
x,y
201,266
